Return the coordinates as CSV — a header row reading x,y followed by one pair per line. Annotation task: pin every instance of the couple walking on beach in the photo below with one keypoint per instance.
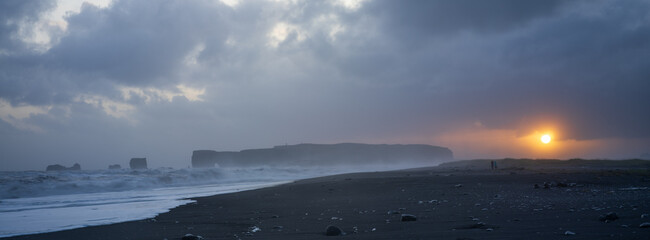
x,y
493,165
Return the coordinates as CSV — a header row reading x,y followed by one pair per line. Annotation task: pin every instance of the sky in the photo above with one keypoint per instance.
x,y
99,82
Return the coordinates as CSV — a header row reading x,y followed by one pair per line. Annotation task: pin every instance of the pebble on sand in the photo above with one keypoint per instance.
x,y
191,237
254,229
333,231
645,225
408,218
610,216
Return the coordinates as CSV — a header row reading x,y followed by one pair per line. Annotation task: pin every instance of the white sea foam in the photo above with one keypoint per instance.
x,y
36,202
59,212
39,183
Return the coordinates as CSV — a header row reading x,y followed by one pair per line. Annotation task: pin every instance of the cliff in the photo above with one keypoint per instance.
x,y
325,155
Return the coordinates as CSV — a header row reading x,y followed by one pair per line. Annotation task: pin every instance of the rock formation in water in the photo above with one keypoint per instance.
x,y
76,166
325,155
57,167
138,163
114,166
204,158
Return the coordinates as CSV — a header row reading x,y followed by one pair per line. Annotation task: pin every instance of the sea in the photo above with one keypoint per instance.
x,y
39,201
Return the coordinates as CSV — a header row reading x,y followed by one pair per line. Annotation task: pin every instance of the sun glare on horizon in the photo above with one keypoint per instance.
x,y
546,139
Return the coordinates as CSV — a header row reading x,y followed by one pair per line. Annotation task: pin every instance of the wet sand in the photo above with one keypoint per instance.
x,y
452,202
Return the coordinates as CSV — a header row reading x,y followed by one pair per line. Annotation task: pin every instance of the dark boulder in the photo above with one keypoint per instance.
x,y
333,231
114,166
408,218
138,163
57,167
191,237
610,216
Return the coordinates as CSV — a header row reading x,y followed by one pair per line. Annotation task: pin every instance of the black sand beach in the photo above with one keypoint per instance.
x,y
450,202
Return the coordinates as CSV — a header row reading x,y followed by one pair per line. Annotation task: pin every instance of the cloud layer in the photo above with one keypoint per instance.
x,y
163,78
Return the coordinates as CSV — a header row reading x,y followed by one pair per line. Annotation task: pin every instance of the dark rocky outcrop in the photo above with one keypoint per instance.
x,y
191,237
57,167
138,163
409,218
325,155
76,166
610,216
114,166
333,231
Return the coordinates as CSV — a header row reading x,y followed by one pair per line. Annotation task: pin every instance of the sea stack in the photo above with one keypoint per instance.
x,y
57,167
138,163
114,166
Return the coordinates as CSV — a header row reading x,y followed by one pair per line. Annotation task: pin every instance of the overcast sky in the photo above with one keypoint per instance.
x,y
100,82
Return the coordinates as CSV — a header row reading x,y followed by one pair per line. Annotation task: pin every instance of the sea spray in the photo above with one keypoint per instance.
x,y
40,183
38,201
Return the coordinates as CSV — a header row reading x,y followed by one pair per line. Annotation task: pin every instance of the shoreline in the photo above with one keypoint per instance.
x,y
449,203
108,207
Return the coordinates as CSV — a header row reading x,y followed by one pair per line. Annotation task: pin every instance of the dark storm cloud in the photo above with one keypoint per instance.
x,y
416,22
138,43
133,43
509,63
415,38
590,69
12,13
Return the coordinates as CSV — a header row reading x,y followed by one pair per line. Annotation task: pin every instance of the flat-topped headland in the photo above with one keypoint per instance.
x,y
326,155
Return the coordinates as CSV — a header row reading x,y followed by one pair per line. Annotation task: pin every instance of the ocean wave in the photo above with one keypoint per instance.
x,y
38,183
41,183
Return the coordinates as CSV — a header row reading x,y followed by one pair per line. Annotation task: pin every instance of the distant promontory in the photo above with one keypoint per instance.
x,y
325,155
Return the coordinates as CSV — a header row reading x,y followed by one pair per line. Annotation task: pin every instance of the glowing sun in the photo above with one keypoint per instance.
x,y
546,139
